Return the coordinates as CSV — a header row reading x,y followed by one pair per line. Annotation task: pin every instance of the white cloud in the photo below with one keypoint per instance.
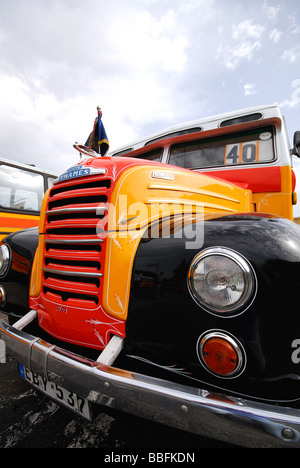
x,y
244,44
247,29
294,101
37,124
148,63
233,56
250,89
294,26
275,36
49,91
292,55
206,8
271,11
149,42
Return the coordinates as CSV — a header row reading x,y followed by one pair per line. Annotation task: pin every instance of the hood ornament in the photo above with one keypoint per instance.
x,y
97,143
85,150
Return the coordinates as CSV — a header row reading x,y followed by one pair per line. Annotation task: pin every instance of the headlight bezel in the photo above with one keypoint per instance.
x,y
248,273
5,259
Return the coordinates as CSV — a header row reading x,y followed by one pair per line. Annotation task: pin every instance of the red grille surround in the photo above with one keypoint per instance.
x,y
70,302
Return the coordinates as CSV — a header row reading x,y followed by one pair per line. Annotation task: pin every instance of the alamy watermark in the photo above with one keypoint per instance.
x,y
296,353
179,219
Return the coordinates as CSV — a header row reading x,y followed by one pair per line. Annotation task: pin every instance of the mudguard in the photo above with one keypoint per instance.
x,y
164,322
23,245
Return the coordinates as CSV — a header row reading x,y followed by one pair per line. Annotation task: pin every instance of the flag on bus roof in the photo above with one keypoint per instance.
x,y
97,139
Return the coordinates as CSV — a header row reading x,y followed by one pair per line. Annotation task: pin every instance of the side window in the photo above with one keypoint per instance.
x,y
20,189
154,155
50,181
255,146
26,200
5,193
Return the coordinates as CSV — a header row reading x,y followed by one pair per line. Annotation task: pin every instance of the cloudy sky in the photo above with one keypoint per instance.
x,y
150,64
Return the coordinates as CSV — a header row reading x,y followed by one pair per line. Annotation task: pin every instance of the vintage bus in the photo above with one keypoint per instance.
x,y
248,147
163,281
22,189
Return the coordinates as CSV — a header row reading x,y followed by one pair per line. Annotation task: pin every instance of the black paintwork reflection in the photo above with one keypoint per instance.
x,y
16,283
164,322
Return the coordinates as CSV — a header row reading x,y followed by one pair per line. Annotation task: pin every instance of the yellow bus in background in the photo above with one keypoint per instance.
x,y
22,188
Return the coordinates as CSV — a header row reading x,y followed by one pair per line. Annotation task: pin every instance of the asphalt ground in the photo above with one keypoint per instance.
x,y
28,419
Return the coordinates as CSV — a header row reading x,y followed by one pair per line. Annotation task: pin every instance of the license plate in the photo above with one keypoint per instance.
x,y
57,393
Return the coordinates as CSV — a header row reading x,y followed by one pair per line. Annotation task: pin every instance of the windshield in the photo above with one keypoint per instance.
x,y
20,189
255,146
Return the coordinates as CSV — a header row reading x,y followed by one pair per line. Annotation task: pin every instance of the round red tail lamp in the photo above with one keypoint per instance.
x,y
221,354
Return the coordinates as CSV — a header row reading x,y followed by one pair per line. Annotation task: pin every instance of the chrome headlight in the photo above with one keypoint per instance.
x,y
5,258
222,281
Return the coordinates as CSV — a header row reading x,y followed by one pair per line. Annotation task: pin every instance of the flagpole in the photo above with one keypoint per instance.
x,y
99,115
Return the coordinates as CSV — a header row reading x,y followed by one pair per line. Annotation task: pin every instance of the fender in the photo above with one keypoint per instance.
x,y
23,245
164,322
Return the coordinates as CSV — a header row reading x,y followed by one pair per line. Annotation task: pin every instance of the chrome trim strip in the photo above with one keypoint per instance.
x,y
182,188
3,297
77,210
72,273
234,420
28,360
6,259
45,374
189,204
73,241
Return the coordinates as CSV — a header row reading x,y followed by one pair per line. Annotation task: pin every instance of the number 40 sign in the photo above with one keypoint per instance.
x,y
242,153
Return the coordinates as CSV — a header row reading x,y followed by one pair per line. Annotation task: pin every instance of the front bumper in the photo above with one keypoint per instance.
x,y
233,420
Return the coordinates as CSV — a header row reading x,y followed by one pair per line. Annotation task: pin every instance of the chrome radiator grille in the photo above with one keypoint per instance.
x,y
75,228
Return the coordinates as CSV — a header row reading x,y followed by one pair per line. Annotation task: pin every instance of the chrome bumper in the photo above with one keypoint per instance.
x,y
233,420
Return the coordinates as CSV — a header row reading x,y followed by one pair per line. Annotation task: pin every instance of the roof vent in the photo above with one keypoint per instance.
x,y
242,119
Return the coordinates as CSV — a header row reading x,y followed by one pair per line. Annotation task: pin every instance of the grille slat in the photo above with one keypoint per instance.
x,y
61,284
67,272
65,296
77,210
80,200
73,242
86,215
75,230
57,256
85,264
93,184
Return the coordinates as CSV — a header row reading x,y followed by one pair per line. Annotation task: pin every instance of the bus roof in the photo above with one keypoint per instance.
x,y
208,123
25,166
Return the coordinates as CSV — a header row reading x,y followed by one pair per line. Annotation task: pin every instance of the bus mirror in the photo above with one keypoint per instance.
x,y
296,149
